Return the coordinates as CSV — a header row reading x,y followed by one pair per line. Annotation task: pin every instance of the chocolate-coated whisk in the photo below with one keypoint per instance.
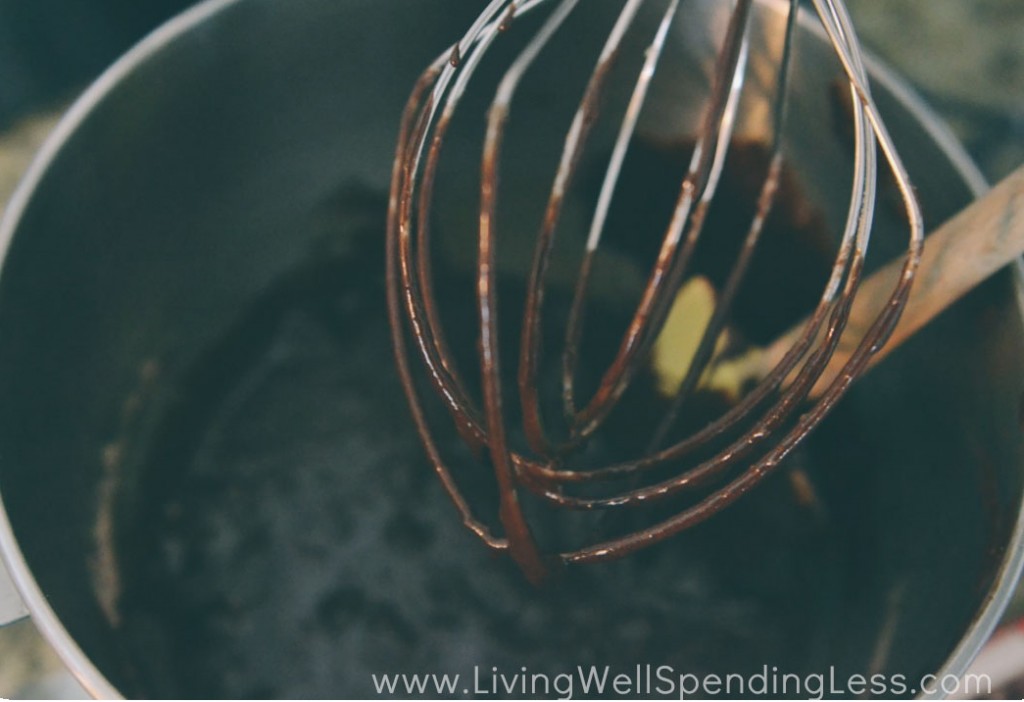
x,y
769,421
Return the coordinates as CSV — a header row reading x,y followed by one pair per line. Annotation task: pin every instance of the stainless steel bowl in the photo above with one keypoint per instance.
x,y
183,183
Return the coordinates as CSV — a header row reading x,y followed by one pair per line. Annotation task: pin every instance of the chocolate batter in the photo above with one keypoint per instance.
x,y
296,541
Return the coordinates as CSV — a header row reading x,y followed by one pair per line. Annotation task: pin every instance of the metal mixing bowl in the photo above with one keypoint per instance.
x,y
185,182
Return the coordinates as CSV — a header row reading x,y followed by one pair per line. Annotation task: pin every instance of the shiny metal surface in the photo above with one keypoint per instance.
x,y
11,607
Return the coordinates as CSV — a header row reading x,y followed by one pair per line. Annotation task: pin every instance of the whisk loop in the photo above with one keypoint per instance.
x,y
767,422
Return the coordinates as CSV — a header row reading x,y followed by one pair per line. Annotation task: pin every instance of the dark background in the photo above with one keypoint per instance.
x,y
50,49
966,58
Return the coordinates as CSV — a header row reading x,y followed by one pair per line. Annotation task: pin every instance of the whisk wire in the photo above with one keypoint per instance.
x,y
574,329
676,250
530,350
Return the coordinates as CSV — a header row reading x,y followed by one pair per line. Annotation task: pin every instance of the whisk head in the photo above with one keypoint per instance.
x,y
530,452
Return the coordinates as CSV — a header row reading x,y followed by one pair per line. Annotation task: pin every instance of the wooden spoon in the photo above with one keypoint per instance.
x,y
959,255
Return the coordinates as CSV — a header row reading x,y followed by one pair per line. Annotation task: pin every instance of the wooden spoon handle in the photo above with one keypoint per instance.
x,y
959,255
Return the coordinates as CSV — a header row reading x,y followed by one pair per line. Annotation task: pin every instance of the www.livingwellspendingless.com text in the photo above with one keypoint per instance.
x,y
664,681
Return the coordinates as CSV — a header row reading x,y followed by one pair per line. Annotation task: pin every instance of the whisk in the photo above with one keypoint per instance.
x,y
763,427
